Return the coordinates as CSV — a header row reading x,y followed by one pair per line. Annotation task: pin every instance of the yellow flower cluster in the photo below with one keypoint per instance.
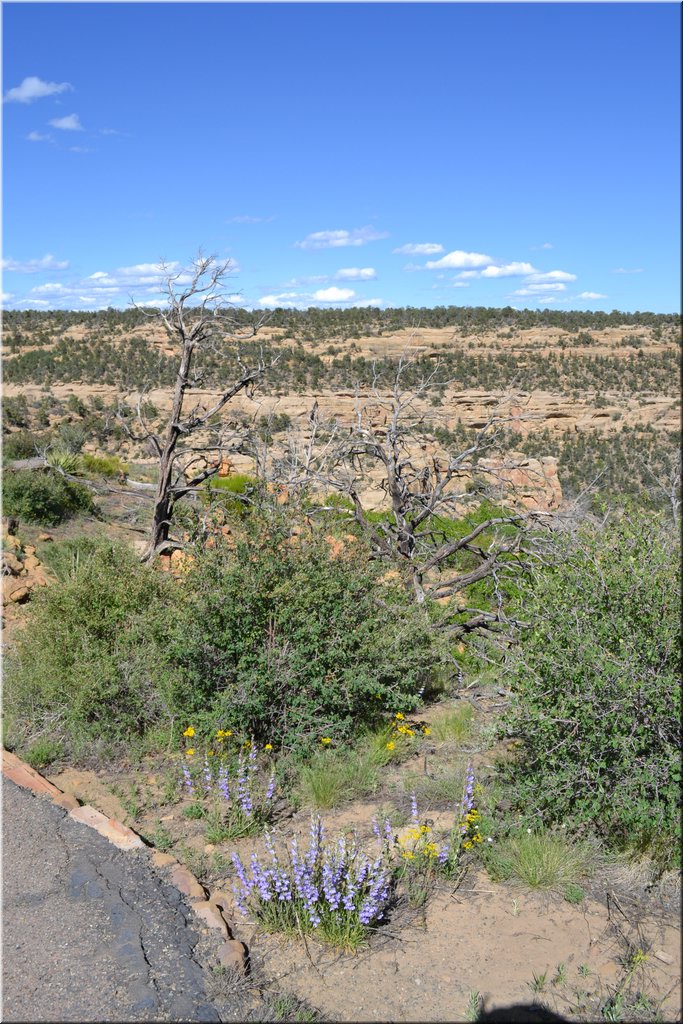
x,y
415,844
400,727
472,834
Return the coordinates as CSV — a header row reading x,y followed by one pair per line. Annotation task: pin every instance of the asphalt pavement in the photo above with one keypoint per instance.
x,y
89,932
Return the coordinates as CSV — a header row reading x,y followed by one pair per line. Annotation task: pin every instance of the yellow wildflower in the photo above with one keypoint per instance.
x,y
210,753
390,745
408,854
399,716
467,846
190,752
189,731
427,731
476,839
268,746
325,740
424,829
431,850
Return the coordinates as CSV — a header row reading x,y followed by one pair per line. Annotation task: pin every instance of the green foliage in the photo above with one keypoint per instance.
x,y
64,460
73,436
43,497
280,640
83,668
22,444
597,690
42,753
332,777
15,412
65,557
540,860
105,465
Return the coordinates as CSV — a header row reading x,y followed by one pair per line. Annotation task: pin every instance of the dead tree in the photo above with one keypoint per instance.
x,y
196,318
425,496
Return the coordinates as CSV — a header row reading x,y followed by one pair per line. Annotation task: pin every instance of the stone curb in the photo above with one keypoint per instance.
x,y
208,909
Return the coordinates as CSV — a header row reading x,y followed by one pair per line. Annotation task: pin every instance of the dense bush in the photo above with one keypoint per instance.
x,y
597,690
273,639
84,667
23,444
43,497
282,640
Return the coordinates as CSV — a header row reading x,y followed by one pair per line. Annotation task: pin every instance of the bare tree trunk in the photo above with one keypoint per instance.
x,y
195,317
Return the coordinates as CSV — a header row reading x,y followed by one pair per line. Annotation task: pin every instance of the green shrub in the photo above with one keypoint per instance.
x,y
43,497
23,444
66,557
84,668
15,412
280,640
596,687
104,465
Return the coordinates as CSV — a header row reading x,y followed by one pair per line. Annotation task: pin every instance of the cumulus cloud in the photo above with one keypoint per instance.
x,y
508,270
550,275
591,295
33,88
48,262
625,270
285,299
37,137
51,288
334,294
458,259
419,248
356,274
538,289
70,123
339,239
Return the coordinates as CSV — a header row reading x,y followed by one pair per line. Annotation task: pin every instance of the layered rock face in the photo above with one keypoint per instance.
x,y
533,483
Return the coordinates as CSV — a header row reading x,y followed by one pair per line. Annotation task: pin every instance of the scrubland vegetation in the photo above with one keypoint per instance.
x,y
285,665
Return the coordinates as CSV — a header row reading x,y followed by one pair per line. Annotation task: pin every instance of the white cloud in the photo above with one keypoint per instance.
x,y
508,270
285,299
537,289
334,294
33,88
48,262
460,284
458,258
298,282
80,149
466,275
340,239
547,245
356,274
364,303
70,123
50,289
419,248
37,137
6,296
591,295
551,275
624,270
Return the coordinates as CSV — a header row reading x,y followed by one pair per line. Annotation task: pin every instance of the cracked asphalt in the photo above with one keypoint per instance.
x,y
90,933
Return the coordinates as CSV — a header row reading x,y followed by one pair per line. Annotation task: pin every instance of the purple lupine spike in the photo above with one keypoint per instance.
x,y
208,779
223,783
414,816
271,787
187,779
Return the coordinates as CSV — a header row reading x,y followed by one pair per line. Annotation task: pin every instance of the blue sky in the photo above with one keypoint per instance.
x,y
344,154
